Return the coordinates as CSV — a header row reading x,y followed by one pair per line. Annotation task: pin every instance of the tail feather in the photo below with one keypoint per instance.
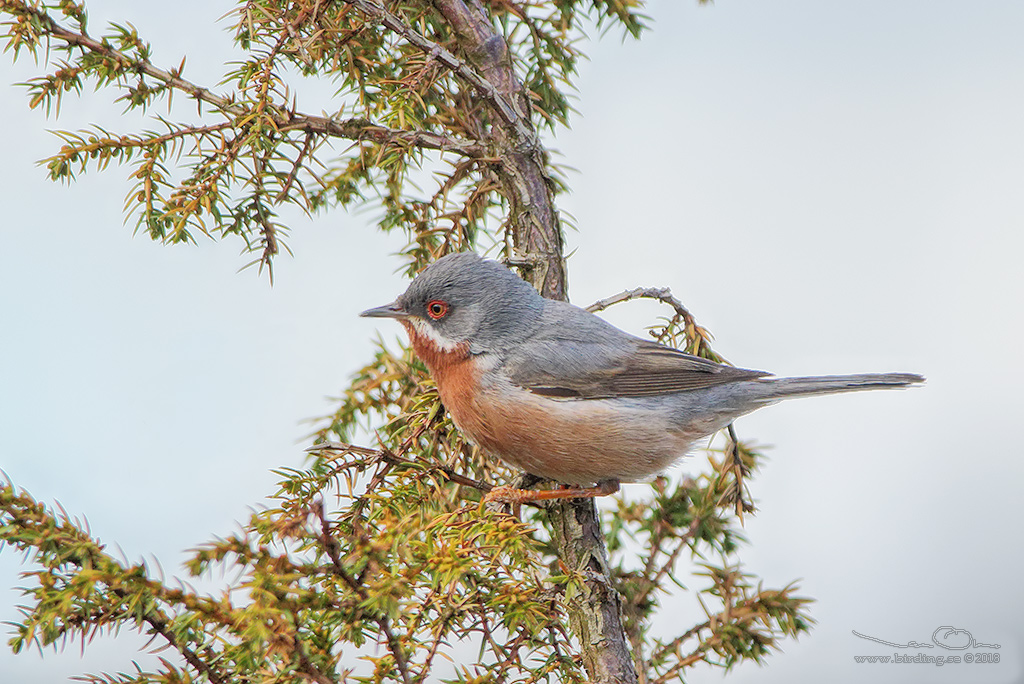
x,y
781,388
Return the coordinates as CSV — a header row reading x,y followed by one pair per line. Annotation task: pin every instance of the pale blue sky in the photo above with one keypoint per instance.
x,y
829,187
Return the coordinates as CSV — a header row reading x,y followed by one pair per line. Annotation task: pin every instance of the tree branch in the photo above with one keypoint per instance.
x,y
158,623
518,158
505,107
698,339
662,294
594,608
361,129
351,129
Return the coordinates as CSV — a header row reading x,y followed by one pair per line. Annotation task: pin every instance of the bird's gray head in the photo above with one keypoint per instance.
x,y
463,298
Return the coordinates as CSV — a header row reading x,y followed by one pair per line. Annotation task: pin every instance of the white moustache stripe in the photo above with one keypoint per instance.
x,y
424,329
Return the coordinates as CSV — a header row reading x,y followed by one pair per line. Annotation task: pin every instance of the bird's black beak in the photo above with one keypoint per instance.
x,y
392,310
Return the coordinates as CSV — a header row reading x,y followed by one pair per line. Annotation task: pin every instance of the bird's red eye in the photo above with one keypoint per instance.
x,y
437,309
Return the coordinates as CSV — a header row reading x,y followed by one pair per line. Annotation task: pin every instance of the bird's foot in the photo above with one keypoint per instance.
x,y
515,496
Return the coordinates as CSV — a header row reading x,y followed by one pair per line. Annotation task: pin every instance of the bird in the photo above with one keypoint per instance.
x,y
561,394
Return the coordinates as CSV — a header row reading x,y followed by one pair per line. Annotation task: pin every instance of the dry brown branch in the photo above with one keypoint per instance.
x,y
662,294
699,339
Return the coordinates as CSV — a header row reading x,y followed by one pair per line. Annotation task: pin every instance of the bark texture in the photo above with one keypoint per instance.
x,y
595,608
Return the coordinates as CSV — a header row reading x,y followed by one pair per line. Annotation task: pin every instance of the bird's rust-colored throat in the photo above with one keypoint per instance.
x,y
455,375
453,372
439,361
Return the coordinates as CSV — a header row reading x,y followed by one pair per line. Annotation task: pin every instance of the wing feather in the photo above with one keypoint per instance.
x,y
641,369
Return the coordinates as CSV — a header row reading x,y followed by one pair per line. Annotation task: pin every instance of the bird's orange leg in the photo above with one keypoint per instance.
x,y
514,496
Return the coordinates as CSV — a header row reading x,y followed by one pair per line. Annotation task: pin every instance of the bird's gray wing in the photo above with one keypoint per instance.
x,y
578,355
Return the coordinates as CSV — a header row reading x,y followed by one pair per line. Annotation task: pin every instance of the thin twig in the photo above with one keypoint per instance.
x,y
739,472
308,668
158,622
698,339
160,627
681,543
439,631
662,294
295,168
394,459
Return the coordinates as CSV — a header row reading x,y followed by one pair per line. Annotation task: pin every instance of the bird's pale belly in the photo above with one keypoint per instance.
x,y
571,441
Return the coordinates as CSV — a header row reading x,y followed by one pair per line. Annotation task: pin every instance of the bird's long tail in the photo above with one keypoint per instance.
x,y
783,388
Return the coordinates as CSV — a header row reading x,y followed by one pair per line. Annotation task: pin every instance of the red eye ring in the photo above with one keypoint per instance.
x,y
437,309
